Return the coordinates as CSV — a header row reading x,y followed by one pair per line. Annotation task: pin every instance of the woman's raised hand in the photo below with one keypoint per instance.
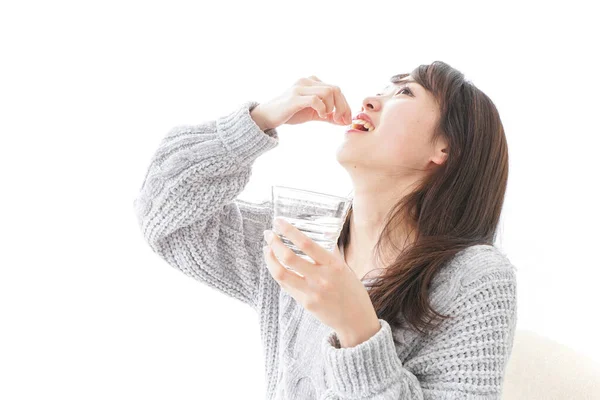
x,y
309,99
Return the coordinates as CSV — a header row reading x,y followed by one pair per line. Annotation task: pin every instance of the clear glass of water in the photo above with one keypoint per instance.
x,y
319,216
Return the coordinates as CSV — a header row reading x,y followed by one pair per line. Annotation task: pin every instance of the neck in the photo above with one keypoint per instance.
x,y
370,207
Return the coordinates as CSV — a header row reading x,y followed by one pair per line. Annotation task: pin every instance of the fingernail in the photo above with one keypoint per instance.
x,y
268,236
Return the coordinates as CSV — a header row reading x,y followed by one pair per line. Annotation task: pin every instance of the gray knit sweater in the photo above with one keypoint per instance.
x,y
189,214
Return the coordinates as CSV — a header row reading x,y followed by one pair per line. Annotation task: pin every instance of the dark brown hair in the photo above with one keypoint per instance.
x,y
456,206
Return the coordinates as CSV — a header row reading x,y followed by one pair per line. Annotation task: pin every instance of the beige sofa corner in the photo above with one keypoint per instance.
x,y
541,368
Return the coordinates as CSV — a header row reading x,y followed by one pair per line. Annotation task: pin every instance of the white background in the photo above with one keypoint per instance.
x,y
88,90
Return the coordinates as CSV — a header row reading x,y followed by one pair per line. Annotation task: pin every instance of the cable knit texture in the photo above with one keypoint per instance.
x,y
189,214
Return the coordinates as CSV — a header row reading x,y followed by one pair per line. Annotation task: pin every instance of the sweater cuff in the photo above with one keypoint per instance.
x,y
242,136
368,367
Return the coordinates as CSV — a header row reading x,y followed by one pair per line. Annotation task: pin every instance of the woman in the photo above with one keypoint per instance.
x,y
436,320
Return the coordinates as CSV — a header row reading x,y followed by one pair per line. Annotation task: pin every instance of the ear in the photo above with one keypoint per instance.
x,y
440,154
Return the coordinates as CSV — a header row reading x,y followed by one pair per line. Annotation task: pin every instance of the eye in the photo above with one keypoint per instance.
x,y
404,88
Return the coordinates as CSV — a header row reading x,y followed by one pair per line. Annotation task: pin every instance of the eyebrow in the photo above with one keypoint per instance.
x,y
398,83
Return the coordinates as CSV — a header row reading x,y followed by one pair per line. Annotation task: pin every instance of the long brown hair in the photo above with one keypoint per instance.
x,y
456,206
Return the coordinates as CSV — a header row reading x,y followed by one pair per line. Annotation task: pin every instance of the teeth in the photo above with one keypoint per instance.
x,y
364,123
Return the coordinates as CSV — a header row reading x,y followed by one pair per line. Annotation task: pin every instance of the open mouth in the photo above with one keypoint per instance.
x,y
359,127
362,125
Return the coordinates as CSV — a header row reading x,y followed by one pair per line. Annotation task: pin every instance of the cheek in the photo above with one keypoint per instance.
x,y
401,148
400,137
398,141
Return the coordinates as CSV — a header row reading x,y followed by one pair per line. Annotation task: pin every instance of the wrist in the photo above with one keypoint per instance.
x,y
354,337
258,118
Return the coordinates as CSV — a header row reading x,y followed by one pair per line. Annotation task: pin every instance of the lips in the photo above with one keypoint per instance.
x,y
364,117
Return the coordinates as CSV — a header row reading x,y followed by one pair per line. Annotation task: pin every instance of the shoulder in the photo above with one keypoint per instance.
x,y
470,271
476,262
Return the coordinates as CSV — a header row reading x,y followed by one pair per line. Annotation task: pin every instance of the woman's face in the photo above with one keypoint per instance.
x,y
404,116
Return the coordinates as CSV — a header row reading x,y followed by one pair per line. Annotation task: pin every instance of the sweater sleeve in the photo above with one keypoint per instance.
x,y
187,207
464,359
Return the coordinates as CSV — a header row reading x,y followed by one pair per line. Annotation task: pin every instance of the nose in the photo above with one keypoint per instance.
x,y
371,103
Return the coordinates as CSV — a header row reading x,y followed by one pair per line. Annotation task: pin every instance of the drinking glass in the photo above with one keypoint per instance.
x,y
320,216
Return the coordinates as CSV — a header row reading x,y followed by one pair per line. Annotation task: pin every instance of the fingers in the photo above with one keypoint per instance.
x,y
343,113
311,248
318,104
287,256
290,280
332,98
342,108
